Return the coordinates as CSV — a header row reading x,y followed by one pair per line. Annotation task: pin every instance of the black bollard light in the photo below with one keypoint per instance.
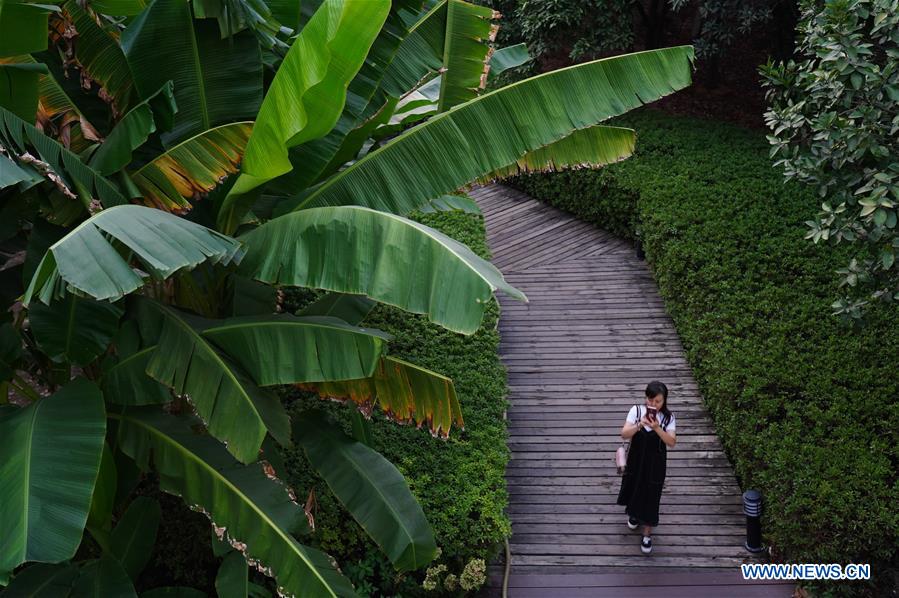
x,y
752,507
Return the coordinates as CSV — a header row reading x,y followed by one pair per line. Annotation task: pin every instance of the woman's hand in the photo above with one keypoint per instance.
x,y
649,423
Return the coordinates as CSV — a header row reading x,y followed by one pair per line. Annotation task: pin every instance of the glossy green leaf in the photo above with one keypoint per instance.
x,y
594,147
73,177
251,510
405,392
49,459
382,256
192,168
298,349
372,490
497,128
232,580
104,578
74,329
217,81
420,56
235,410
134,536
11,173
469,31
85,261
127,383
307,95
319,156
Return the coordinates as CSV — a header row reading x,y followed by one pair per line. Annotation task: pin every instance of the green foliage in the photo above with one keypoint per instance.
x,y
799,400
834,115
458,482
583,29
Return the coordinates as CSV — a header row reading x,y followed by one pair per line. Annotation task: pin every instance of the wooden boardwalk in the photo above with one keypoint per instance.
x,y
579,355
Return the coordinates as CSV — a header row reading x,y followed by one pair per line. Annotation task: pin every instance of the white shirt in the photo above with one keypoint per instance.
x,y
632,419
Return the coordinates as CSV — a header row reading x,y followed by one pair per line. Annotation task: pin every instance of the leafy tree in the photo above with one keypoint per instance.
x,y
165,168
834,116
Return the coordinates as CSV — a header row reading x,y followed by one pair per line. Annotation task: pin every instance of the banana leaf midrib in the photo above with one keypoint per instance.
x,y
337,325
288,539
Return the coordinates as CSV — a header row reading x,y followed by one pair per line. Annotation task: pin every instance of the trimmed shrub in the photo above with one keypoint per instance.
x,y
804,405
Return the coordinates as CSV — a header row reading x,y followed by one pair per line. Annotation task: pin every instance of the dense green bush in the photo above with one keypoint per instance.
x,y
458,482
803,405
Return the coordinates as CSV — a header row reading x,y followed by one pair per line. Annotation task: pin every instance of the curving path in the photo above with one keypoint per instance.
x,y
579,354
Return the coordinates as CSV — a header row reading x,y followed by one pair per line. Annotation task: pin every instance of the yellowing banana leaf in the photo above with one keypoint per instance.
x,y
498,128
252,511
101,58
586,148
85,261
372,490
49,460
217,81
382,256
307,94
469,31
407,394
192,168
235,410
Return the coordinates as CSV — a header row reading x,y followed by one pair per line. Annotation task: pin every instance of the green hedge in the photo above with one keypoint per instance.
x,y
459,482
805,407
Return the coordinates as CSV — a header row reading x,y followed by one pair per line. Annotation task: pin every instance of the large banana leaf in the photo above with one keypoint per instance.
x,y
102,60
286,349
372,490
407,393
74,329
307,95
382,256
125,380
19,83
63,168
254,512
585,148
43,581
133,130
23,27
235,410
86,261
314,157
352,309
192,168
420,56
468,32
498,128
216,80
49,459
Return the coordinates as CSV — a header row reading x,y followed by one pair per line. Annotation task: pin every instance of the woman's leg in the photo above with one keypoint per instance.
x,y
647,530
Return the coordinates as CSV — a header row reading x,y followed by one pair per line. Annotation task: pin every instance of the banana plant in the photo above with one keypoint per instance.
x,y
155,199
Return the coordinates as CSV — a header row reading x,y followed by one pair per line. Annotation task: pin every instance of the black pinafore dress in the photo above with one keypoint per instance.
x,y
644,476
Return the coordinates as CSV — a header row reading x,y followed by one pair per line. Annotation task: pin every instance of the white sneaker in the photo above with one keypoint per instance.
x,y
646,545
632,524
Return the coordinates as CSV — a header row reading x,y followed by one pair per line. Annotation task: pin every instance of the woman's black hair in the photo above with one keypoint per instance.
x,y
656,388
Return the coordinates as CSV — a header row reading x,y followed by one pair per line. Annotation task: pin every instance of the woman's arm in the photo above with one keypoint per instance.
x,y
668,438
629,429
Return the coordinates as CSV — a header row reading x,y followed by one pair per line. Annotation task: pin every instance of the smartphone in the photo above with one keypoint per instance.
x,y
651,413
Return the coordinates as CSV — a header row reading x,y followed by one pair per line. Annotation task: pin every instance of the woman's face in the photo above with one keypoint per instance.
x,y
655,402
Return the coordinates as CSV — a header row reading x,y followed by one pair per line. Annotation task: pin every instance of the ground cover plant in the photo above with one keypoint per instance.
x,y
798,398
158,198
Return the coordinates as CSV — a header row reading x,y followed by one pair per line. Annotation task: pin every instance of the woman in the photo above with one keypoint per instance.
x,y
641,485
